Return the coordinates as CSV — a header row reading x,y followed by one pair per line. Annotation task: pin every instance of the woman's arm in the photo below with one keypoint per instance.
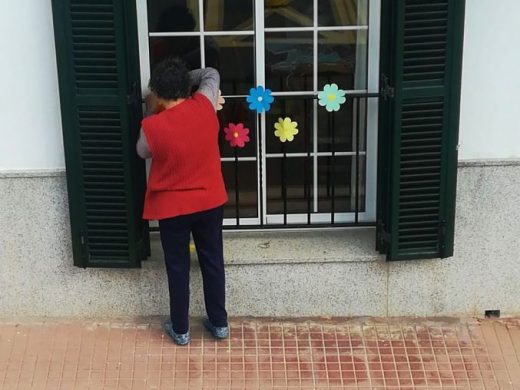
x,y
142,146
208,81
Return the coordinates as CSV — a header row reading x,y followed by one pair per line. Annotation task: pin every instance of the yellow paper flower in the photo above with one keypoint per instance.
x,y
285,129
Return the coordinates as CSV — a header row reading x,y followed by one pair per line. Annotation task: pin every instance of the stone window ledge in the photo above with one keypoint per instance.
x,y
290,247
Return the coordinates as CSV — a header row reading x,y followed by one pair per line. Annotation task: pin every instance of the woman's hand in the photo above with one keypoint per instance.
x,y
153,105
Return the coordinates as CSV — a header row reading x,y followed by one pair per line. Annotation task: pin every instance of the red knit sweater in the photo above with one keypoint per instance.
x,y
185,175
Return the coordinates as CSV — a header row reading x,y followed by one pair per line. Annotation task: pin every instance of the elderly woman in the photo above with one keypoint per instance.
x,y
186,191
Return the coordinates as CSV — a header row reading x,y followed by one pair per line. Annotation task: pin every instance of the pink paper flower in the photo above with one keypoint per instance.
x,y
236,134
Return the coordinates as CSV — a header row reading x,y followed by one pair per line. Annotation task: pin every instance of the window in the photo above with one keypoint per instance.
x,y
327,175
420,71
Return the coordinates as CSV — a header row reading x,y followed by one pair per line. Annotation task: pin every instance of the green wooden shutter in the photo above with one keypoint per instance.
x,y
420,85
97,56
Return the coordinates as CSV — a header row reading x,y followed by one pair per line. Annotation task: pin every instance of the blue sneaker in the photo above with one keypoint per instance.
x,y
179,339
219,332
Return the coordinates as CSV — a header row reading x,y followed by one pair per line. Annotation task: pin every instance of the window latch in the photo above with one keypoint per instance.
x,y
384,235
134,97
442,233
387,91
84,244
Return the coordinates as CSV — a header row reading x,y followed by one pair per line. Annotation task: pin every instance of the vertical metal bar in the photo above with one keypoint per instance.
x,y
365,130
201,29
333,168
315,102
261,171
237,196
260,80
284,167
315,153
307,188
355,102
284,184
330,132
356,211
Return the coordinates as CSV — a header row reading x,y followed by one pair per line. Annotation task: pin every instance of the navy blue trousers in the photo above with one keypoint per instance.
x,y
206,228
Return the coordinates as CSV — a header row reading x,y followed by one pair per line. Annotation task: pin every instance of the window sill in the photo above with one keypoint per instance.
x,y
291,247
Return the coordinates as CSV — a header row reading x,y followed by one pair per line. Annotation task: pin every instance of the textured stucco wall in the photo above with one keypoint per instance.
x,y
490,83
283,274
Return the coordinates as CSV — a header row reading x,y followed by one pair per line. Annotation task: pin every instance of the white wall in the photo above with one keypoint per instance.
x,y
490,103
29,103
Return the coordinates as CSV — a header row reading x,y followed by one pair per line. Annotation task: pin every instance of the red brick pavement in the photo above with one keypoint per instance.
x,y
362,353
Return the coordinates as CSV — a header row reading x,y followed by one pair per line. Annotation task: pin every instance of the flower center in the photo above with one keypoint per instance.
x,y
260,98
331,97
235,134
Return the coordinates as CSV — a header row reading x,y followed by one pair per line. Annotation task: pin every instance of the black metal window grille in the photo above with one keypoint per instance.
x,y
311,199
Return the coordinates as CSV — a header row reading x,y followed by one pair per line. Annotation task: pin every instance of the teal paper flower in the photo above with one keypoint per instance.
x,y
331,97
260,99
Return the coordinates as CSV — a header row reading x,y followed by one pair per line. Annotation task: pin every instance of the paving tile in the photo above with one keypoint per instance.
x,y
262,354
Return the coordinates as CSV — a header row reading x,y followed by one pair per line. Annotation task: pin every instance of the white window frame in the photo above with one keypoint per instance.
x,y
373,27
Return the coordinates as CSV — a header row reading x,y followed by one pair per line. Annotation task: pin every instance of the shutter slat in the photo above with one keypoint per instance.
x,y
94,38
420,27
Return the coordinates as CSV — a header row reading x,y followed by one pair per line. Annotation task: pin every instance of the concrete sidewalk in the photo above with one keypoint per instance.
x,y
362,353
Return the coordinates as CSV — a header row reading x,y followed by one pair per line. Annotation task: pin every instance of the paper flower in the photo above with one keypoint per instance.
x,y
236,134
220,101
285,129
260,99
331,97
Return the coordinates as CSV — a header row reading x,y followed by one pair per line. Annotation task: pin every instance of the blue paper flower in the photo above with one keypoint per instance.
x,y
331,97
260,99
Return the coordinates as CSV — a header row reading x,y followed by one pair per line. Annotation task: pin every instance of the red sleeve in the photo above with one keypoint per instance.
x,y
203,99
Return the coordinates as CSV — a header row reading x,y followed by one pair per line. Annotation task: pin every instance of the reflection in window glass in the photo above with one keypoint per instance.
x,y
236,110
342,125
289,13
228,15
187,48
289,61
173,15
299,110
342,12
233,56
341,177
247,189
343,59
295,179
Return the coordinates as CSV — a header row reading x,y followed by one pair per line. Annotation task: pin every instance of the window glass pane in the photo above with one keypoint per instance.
x,y
289,61
234,57
228,15
343,127
289,13
342,12
343,59
299,110
247,189
342,177
236,110
298,183
173,15
187,48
